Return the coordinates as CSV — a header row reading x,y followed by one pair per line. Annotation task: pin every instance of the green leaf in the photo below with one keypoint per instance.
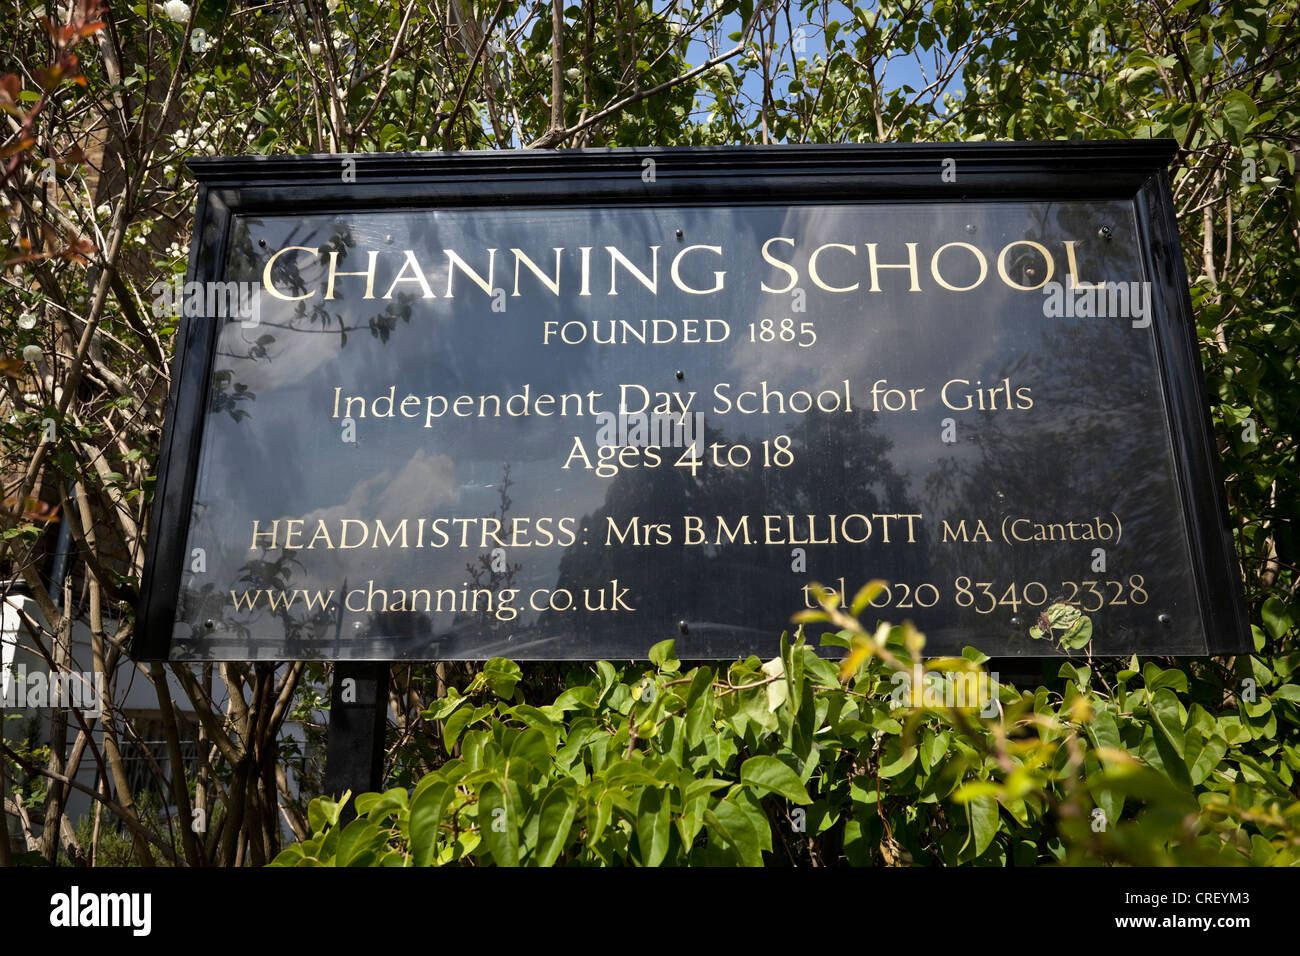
x,y
933,747
376,805
663,657
1277,620
842,639
778,690
699,705
427,810
866,594
502,675
455,725
694,802
1079,675
576,698
1209,757
733,821
769,775
983,822
1078,636
445,707
629,773
1238,109
539,720
290,856
498,824
556,820
896,758
1201,57
359,844
1145,784
1110,801
324,812
973,790
1257,637
1103,730
598,818
1167,724
653,825
1156,678
531,746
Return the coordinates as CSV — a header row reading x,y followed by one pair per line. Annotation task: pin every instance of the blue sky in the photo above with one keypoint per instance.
x,y
902,71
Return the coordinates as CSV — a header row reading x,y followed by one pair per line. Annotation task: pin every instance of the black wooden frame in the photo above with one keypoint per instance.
x,y
1040,171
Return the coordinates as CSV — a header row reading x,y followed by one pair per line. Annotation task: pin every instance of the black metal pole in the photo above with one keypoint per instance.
x,y
354,748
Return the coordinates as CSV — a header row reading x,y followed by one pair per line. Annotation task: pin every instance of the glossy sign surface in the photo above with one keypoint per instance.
x,y
571,428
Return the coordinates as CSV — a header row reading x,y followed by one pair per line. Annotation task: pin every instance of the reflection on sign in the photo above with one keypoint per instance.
x,y
573,432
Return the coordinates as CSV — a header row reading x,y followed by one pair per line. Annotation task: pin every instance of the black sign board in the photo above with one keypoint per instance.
x,y
564,405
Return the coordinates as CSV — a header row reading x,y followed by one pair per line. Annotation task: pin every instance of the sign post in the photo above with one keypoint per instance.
x,y
354,748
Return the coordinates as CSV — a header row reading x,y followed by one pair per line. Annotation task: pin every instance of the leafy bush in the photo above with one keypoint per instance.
x,y
874,760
